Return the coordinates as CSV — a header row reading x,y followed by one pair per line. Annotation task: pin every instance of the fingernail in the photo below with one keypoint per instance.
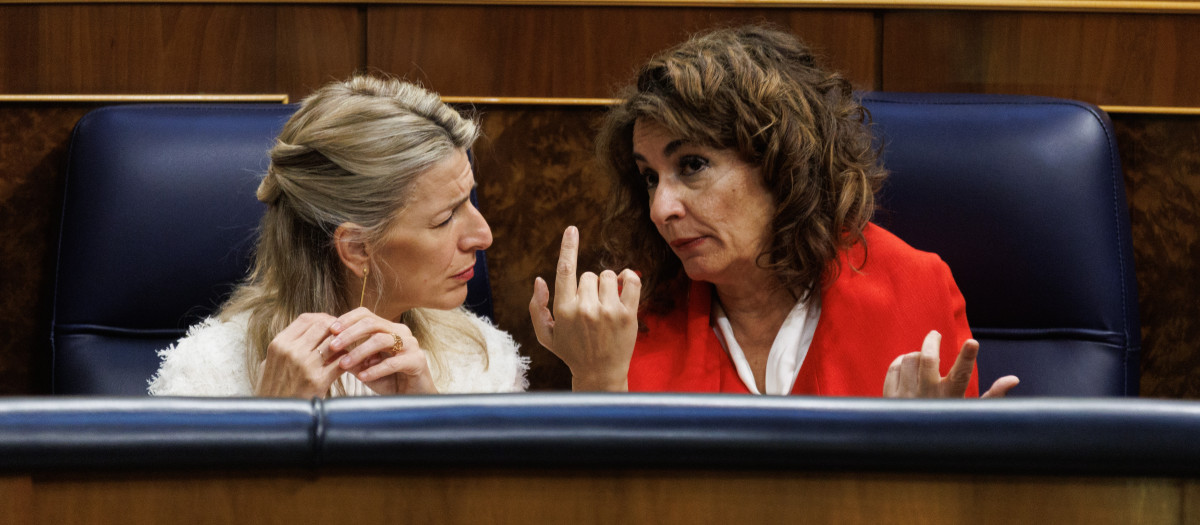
x,y
336,327
336,343
345,361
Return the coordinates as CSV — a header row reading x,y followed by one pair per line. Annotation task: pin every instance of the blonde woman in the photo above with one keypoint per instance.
x,y
362,262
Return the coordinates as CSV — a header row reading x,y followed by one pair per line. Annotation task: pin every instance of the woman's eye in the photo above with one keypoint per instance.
x,y
651,178
445,222
691,164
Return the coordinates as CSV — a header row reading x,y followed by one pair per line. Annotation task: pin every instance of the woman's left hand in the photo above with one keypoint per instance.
x,y
593,327
375,357
916,374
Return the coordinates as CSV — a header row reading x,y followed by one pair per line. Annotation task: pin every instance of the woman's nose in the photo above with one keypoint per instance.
x,y
665,204
478,235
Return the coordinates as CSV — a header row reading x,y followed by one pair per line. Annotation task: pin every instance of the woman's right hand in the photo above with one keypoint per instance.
x,y
916,374
299,362
593,326
383,354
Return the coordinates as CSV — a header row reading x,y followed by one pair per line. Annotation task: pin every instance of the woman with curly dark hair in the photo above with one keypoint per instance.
x,y
744,182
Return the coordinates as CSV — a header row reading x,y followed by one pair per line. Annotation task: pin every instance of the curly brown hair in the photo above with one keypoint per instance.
x,y
760,92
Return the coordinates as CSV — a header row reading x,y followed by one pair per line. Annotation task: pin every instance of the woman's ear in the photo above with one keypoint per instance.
x,y
351,247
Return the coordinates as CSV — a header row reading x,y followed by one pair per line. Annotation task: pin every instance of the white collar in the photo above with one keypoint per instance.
x,y
787,352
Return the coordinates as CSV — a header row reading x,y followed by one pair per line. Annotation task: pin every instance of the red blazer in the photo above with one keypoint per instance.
x,y
868,317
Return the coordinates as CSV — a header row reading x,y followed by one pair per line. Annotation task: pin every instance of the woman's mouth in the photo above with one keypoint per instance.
x,y
465,275
687,243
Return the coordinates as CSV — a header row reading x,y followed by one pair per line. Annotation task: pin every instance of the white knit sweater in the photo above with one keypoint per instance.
x,y
211,361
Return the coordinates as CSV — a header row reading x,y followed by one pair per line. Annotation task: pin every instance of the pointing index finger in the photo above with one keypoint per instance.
x,y
930,359
564,281
931,347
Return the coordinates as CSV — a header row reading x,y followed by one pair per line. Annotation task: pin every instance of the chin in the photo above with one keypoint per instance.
x,y
450,301
698,273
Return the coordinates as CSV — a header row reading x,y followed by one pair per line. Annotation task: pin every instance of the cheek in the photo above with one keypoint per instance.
x,y
441,251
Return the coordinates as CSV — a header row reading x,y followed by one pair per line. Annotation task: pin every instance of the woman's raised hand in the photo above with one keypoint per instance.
x,y
383,355
916,374
593,326
299,361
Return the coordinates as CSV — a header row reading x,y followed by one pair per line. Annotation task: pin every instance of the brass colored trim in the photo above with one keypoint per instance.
x,y
1098,6
1152,110
101,98
531,101
498,101
599,102
1101,6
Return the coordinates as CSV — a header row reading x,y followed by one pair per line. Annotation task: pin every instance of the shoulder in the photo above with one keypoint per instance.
x,y
209,361
889,248
887,272
897,284
887,257
503,370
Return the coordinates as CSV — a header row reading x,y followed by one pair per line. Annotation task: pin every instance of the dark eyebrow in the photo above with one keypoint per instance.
x,y
668,150
673,146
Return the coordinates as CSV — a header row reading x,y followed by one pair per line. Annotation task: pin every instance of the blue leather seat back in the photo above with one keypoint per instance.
x,y
1024,198
159,221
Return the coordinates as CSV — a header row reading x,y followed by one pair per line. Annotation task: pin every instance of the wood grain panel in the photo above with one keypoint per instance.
x,y
1191,502
1143,60
33,149
1160,156
1108,6
536,176
317,44
577,51
145,48
16,499
602,497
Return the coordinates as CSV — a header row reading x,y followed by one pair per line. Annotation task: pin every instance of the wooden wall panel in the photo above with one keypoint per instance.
x,y
1191,502
543,51
1160,156
146,48
536,177
33,149
1113,59
600,497
16,499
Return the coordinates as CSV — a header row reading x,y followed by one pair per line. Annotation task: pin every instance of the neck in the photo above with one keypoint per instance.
x,y
755,310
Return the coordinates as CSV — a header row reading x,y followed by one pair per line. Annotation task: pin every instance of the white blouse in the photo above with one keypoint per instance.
x,y
787,352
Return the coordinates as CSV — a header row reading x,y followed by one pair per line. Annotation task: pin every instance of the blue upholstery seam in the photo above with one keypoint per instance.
x,y
1118,187
93,329
1095,336
316,436
62,215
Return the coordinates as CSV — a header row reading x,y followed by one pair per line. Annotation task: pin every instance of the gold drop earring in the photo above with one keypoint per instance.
x,y
363,294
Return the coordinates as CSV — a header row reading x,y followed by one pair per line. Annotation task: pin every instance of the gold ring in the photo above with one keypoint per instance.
x,y
398,345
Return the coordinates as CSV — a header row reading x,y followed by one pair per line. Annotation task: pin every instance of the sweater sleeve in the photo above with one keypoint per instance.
x,y
209,361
